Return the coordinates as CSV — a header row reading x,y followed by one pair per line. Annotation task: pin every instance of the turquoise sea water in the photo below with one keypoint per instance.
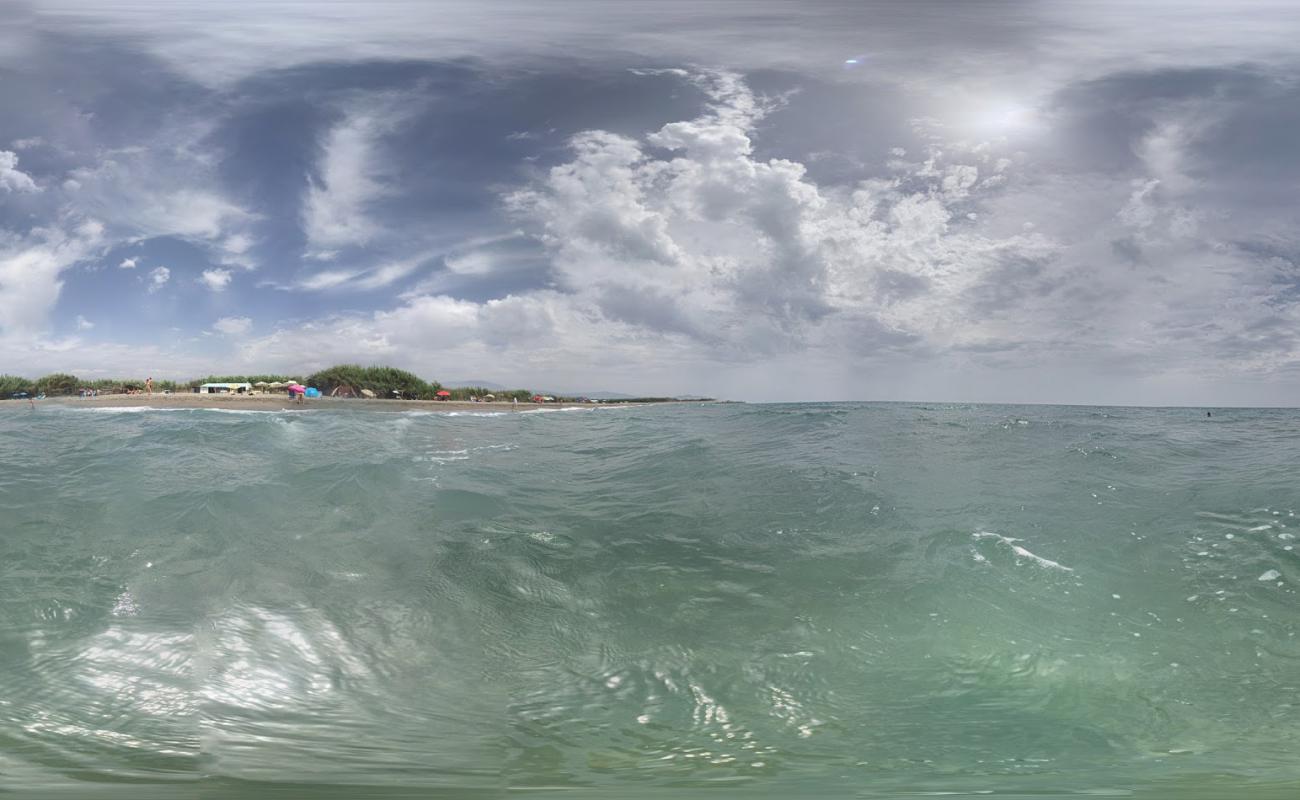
x,y
857,600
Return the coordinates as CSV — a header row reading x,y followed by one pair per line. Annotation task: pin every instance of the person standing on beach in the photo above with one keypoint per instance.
x,y
148,384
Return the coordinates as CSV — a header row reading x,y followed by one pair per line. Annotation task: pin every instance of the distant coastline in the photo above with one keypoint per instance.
x,y
281,402
379,387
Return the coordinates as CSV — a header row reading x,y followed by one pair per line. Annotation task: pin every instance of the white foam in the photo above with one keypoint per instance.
x,y
200,409
255,411
121,410
125,605
1022,552
1271,575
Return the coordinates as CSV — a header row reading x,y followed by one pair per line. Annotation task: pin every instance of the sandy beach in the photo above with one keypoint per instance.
x,y
275,402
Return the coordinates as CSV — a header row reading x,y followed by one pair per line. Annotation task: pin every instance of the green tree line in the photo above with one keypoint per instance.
x,y
384,381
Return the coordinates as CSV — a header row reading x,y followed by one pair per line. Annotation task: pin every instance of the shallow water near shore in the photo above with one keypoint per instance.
x,y
836,600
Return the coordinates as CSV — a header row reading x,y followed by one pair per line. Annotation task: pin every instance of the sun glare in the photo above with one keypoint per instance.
x,y
1001,118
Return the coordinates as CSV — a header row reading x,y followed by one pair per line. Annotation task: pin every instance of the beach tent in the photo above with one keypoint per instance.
x,y
443,394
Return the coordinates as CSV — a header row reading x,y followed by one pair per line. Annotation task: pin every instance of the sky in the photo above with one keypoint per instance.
x,y
989,200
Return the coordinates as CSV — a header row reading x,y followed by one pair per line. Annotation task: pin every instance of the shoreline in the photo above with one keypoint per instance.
x,y
280,402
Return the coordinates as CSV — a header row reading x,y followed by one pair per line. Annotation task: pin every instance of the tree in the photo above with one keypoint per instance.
x,y
12,383
58,383
383,381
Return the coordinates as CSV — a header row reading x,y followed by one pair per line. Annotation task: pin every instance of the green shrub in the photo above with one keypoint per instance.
x,y
12,383
58,383
383,381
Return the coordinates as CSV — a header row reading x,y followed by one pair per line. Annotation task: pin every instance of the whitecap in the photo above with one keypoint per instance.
x,y
1271,575
1022,552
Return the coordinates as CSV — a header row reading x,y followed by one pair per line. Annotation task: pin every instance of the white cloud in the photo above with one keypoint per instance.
x,y
351,176
158,278
215,279
1042,43
13,179
329,279
84,324
128,263
162,191
233,326
749,257
364,279
30,268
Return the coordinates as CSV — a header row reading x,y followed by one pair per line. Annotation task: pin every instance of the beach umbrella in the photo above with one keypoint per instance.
x,y
367,393
444,393
261,383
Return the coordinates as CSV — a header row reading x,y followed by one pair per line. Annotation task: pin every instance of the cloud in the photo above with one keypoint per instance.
x,y
327,279
233,326
30,270
687,232
682,256
370,279
979,42
164,190
215,279
158,279
350,177
128,263
84,324
683,249
13,179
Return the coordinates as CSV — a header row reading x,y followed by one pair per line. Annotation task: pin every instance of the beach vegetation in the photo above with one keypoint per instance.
x,y
58,383
13,383
387,382
468,392
350,379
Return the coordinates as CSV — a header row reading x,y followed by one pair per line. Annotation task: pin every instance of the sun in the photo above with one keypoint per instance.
x,y
1002,117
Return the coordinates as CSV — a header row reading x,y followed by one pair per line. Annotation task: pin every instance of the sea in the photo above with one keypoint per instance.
x,y
694,600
